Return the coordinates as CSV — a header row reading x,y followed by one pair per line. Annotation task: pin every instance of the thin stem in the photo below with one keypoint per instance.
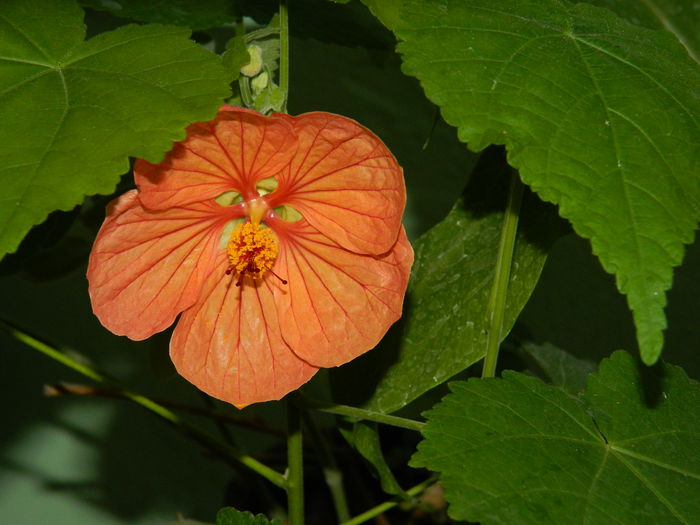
x,y
62,388
261,33
246,94
383,507
360,413
331,473
228,452
54,353
295,466
497,302
284,53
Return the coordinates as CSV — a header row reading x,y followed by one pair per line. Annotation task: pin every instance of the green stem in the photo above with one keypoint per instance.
x,y
360,413
254,423
331,472
284,53
383,507
246,94
295,466
226,451
261,33
497,302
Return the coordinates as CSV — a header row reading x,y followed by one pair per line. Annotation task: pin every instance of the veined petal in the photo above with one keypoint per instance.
x,y
147,266
337,304
345,182
232,152
229,343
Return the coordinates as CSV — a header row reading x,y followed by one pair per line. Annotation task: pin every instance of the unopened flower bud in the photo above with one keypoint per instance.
x,y
253,67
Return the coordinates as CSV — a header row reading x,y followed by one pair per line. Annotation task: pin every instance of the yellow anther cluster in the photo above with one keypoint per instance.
x,y
252,250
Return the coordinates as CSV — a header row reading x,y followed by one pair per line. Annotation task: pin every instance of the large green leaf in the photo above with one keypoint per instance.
x,y
600,117
680,18
516,451
195,14
73,111
445,327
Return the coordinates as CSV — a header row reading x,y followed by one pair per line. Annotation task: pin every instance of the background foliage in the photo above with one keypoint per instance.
x,y
597,106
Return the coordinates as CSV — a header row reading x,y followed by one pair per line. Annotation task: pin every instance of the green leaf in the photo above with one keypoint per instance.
x,y
230,516
599,116
364,437
444,325
236,56
196,14
73,111
516,451
388,12
271,98
680,18
558,367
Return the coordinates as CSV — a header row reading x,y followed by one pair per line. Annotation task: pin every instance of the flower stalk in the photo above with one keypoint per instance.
x,y
284,53
497,302
295,466
383,507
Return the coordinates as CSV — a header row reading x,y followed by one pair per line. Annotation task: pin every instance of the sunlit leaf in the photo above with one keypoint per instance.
x,y
599,116
72,112
517,451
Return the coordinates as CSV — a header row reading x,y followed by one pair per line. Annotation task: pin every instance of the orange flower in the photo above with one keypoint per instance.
x,y
278,240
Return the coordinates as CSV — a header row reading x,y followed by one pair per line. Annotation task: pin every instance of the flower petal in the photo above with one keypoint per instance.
x,y
345,182
232,152
229,343
337,304
146,267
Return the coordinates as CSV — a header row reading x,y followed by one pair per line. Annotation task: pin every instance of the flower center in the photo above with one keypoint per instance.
x,y
252,251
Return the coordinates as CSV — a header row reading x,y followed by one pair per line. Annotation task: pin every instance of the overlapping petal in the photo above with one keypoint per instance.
x,y
337,304
146,267
229,343
345,182
232,152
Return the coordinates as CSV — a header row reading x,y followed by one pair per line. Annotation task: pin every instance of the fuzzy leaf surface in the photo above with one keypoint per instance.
x,y
73,111
599,116
516,451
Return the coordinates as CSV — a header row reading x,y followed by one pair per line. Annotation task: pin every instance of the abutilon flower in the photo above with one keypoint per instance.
x,y
278,241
